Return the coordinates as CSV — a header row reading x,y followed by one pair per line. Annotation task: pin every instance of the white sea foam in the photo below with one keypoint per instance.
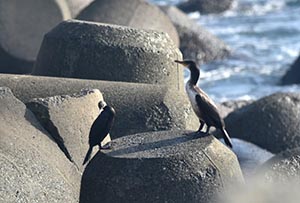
x,y
264,36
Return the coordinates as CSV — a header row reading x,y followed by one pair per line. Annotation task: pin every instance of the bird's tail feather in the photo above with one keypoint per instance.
x,y
226,138
88,155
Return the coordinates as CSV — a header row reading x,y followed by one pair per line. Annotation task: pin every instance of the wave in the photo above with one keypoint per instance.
x,y
255,7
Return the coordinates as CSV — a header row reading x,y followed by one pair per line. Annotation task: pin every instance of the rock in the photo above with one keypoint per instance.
x,y
139,107
229,106
166,166
68,119
133,13
205,6
292,76
86,50
33,169
284,167
250,156
263,191
276,181
76,6
272,122
195,41
23,24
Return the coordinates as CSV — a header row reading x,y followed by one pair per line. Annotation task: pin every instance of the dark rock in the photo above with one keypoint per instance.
x,y
68,119
167,166
33,169
133,13
284,167
205,6
76,6
292,76
23,24
87,50
229,106
139,107
276,181
195,41
272,122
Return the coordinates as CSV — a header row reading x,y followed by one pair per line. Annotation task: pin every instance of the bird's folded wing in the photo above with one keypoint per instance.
x,y
209,110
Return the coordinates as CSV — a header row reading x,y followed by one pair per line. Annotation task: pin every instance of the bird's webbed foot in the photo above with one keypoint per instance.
x,y
207,130
199,131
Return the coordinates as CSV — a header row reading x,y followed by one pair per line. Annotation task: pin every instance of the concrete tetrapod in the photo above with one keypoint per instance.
x,y
276,181
139,107
282,168
33,169
86,50
271,122
196,42
165,166
205,6
292,76
68,119
133,13
23,25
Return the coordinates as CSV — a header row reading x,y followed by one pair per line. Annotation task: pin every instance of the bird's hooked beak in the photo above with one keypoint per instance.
x,y
185,64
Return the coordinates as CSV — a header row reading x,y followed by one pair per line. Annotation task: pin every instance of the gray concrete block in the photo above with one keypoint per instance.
x,y
227,107
167,166
133,13
23,25
292,76
33,169
272,122
205,6
86,50
68,119
196,42
139,107
282,168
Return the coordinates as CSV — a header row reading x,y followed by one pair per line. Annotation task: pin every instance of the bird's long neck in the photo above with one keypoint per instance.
x,y
195,73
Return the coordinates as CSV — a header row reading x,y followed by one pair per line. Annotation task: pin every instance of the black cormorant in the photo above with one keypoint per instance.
x,y
203,106
100,128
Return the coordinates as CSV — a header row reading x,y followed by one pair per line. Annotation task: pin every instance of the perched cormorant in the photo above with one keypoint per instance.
x,y
203,106
100,128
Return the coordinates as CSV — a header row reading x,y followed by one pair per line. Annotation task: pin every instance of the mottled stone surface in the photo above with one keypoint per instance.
x,y
33,169
272,122
205,6
166,166
195,41
139,107
86,50
227,107
133,13
23,25
292,76
68,119
284,167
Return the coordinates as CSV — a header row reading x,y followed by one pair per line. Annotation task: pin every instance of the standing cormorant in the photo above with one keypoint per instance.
x,y
100,128
203,106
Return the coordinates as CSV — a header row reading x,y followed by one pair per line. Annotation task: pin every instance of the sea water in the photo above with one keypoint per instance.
x,y
264,37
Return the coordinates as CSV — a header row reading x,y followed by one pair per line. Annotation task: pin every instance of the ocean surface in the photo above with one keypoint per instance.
x,y
264,37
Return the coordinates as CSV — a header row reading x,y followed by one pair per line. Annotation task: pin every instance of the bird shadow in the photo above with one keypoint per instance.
x,y
158,144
